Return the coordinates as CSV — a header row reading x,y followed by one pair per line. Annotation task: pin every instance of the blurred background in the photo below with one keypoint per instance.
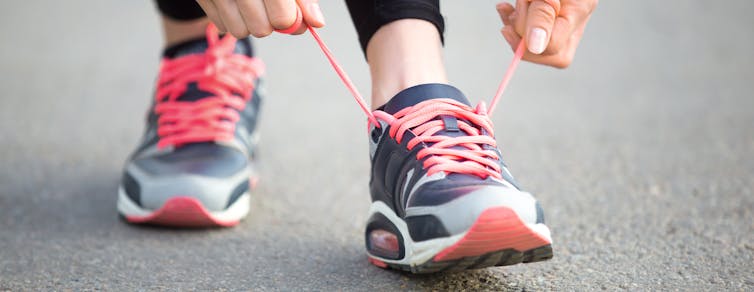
x,y
642,153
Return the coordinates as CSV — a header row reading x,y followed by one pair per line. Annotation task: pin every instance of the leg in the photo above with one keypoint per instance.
x,y
181,21
402,54
402,41
178,31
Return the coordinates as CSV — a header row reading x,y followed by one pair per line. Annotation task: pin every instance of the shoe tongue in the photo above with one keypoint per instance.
x,y
417,94
414,95
199,45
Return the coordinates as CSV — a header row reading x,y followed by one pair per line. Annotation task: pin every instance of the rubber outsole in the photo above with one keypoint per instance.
x,y
495,229
186,212
182,212
497,238
498,258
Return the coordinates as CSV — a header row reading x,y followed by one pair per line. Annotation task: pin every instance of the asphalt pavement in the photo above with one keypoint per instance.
x,y
642,154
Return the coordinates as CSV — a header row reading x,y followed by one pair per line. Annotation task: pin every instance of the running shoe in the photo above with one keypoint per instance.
x,y
194,166
442,198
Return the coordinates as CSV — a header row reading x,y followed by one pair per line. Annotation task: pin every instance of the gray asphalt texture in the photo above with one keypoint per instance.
x,y
642,154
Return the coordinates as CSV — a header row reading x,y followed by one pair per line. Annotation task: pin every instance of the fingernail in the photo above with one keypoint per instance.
x,y
537,40
317,12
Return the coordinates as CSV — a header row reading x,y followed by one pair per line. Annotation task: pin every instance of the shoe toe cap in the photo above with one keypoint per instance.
x,y
202,159
460,213
213,175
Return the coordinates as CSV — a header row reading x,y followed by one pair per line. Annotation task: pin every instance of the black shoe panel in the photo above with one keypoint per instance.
x,y
132,188
391,164
425,227
419,93
453,186
242,188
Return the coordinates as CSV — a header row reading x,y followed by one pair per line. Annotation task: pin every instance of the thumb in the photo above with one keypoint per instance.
x,y
312,13
540,20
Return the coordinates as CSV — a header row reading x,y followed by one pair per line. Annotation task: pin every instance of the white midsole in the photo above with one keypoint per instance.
x,y
235,212
417,253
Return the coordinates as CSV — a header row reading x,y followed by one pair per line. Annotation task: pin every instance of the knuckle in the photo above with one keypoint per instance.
x,y
584,8
239,35
239,32
544,11
281,21
261,32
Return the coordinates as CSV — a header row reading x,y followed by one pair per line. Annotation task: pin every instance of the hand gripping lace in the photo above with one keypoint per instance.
x,y
229,77
466,154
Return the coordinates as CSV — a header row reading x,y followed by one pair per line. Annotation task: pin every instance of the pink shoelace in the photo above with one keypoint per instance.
x,y
219,71
465,154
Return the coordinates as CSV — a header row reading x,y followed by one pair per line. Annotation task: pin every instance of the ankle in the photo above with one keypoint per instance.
x,y
386,91
181,31
403,54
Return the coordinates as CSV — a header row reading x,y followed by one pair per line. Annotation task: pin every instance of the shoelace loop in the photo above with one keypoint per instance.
x,y
467,154
229,77
472,153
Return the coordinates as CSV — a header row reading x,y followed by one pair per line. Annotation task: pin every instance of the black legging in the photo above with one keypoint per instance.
x,y
367,15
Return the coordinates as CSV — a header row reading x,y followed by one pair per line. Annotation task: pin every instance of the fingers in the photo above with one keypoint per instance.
x,y
231,17
552,34
281,14
560,36
540,20
505,9
511,37
518,17
261,17
255,17
561,60
573,17
211,11
312,13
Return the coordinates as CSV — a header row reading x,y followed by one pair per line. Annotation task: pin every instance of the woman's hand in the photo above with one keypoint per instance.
x,y
552,28
260,17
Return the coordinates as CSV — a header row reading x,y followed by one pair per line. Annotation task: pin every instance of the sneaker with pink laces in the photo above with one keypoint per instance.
x,y
193,167
442,198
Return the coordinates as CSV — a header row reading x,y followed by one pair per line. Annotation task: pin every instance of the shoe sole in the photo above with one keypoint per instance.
x,y
498,237
185,212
